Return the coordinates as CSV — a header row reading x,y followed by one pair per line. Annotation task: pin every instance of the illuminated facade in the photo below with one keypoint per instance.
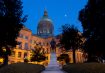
x,y
27,41
80,55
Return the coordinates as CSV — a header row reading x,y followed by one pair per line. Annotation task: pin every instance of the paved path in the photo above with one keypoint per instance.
x,y
53,66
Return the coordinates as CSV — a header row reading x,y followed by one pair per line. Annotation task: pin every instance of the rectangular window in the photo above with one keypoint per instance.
x,y
31,47
34,42
26,46
31,41
43,43
13,53
26,37
21,35
25,55
19,54
20,45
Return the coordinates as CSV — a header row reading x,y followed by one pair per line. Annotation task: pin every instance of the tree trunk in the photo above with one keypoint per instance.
x,y
5,60
74,56
91,58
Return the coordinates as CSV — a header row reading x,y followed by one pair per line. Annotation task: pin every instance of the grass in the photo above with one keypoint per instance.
x,y
85,68
22,68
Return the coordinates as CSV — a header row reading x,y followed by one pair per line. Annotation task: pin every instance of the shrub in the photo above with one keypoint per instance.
x,y
64,57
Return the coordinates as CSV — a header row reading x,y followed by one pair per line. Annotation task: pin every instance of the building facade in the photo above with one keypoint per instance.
x,y
45,33
26,43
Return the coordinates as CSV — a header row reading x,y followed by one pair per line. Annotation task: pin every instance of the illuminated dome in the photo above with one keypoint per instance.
x,y
45,27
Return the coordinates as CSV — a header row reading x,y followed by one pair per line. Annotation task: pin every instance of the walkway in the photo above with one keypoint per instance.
x,y
53,67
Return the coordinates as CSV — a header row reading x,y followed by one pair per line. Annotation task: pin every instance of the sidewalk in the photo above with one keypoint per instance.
x,y
53,66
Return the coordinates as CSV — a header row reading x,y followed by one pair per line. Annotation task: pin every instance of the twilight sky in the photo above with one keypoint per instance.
x,y
60,11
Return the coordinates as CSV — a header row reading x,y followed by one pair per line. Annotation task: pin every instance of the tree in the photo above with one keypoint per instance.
x,y
64,57
11,22
92,18
71,39
38,54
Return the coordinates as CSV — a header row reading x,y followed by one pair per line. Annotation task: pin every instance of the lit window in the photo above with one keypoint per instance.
x,y
19,54
48,31
13,53
44,30
25,37
40,31
32,41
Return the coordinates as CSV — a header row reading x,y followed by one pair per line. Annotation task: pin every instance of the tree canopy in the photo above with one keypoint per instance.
x,y
71,38
38,54
92,18
11,21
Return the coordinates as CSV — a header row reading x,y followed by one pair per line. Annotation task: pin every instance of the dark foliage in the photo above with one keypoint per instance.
x,y
92,18
38,55
71,39
64,57
10,24
26,60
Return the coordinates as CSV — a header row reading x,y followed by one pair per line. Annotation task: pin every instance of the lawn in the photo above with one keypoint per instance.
x,y
22,68
85,68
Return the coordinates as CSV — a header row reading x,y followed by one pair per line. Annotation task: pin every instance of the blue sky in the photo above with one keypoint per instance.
x,y
60,11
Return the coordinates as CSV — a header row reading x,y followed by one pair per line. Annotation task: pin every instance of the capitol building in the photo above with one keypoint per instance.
x,y
45,33
27,41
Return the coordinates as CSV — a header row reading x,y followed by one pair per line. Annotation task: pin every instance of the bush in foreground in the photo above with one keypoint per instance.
x,y
22,68
85,68
64,57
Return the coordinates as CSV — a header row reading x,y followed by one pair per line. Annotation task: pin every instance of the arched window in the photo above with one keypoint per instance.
x,y
48,31
40,31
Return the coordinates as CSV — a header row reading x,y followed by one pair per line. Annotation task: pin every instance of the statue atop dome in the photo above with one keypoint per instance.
x,y
45,26
45,13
